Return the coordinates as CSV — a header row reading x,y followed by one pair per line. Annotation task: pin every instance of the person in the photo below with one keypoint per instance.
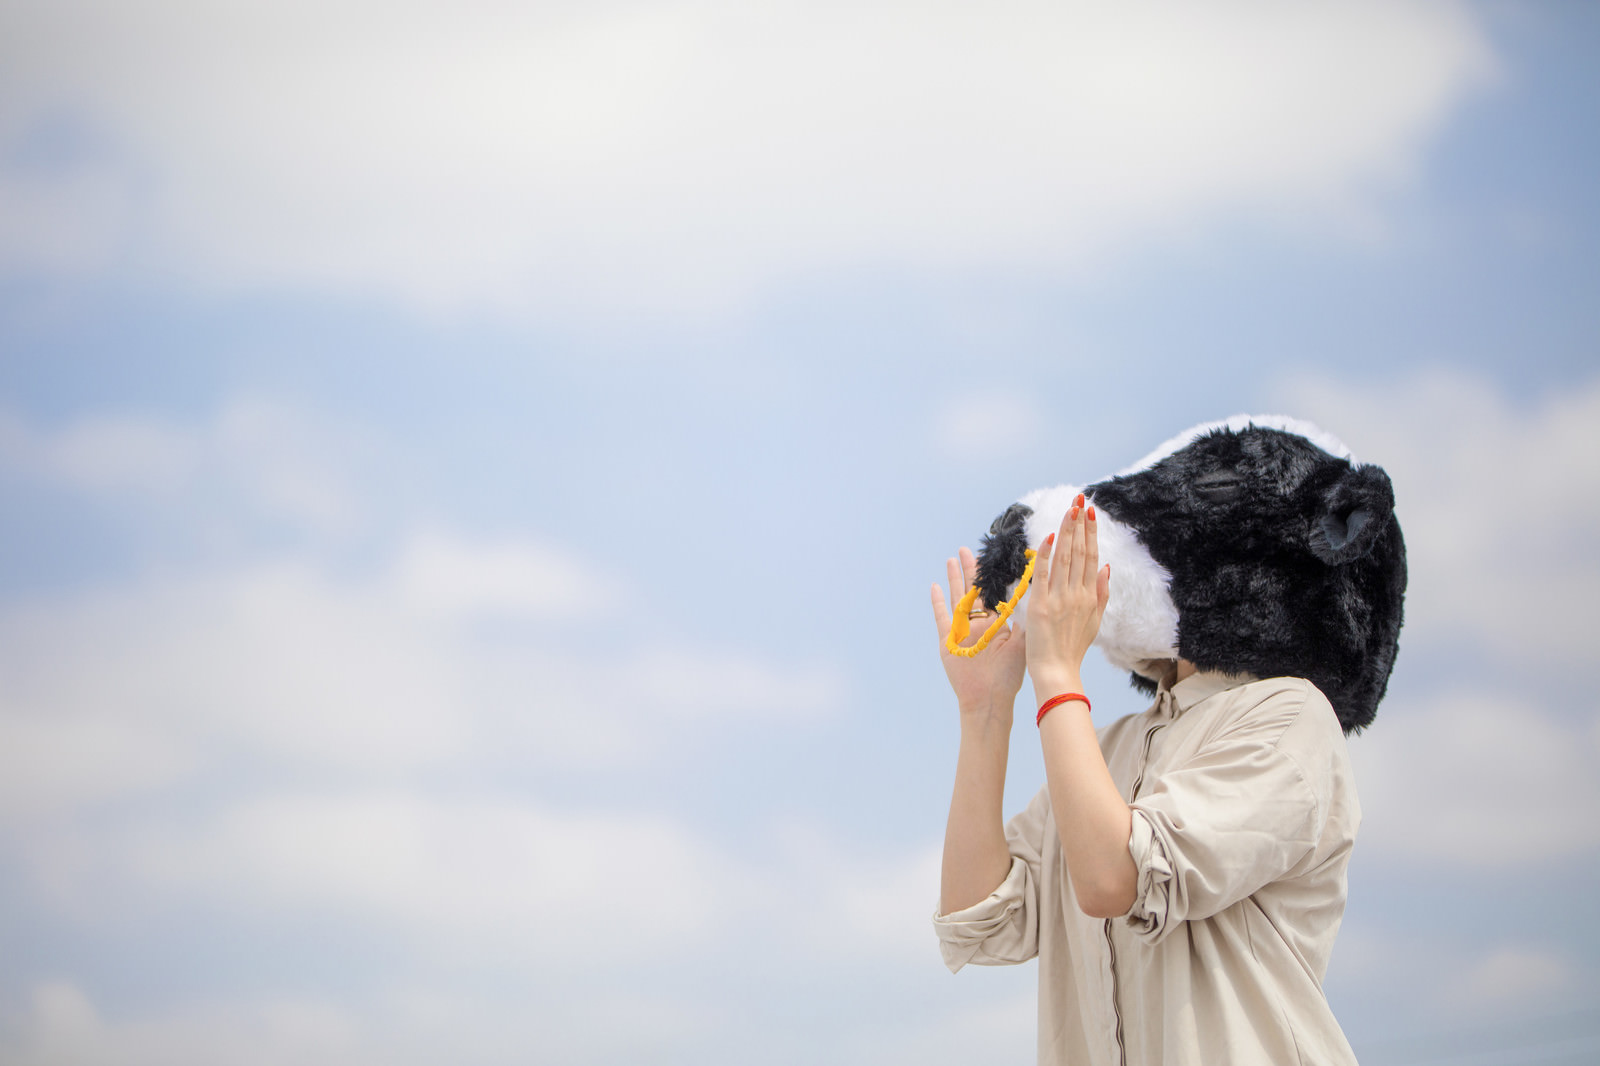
x,y
1181,876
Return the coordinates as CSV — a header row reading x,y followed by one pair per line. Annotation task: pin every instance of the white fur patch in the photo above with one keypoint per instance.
x,y
1316,435
1141,621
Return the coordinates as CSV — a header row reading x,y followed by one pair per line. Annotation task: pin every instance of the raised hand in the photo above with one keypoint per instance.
x,y
1069,595
989,682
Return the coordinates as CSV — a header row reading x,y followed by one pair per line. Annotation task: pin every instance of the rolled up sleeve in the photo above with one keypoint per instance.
x,y
1241,815
997,931
1004,928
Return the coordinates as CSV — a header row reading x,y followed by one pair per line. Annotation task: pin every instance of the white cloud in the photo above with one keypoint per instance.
x,y
461,876
692,683
988,426
1499,502
1478,780
121,452
70,227
557,158
457,882
1002,1031
456,653
60,1025
57,1023
48,764
264,460
851,907
442,575
536,897
1454,982
474,878
129,689
276,662
1511,976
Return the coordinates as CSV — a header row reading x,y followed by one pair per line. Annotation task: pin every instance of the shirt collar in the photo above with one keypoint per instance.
x,y
1174,699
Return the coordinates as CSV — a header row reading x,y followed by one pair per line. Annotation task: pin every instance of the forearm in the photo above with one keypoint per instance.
x,y
976,857
1092,819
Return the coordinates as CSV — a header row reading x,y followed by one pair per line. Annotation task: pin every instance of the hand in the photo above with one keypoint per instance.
x,y
988,682
1065,602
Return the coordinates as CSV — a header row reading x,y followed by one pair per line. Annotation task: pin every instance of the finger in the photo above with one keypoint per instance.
x,y
969,570
1103,587
1091,554
1042,560
1063,541
941,613
1076,553
958,584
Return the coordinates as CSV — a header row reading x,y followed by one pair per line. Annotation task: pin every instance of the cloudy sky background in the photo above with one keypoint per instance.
x,y
472,473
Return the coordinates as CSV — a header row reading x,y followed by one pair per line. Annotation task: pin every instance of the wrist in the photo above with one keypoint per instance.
x,y
1047,683
982,709
987,730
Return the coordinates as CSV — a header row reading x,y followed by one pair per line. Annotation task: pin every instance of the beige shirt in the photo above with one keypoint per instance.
x,y
1244,813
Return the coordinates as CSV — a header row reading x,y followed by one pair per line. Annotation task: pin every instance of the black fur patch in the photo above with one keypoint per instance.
x,y
1285,560
1004,554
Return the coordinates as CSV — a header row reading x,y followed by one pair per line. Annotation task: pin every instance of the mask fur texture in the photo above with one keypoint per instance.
x,y
1255,546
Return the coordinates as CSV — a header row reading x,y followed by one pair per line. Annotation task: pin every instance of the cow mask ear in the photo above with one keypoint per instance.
x,y
1354,511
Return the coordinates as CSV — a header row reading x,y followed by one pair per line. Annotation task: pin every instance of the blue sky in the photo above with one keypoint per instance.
x,y
472,477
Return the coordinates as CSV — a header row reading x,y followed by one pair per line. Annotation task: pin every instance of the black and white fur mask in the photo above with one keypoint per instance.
x,y
1257,545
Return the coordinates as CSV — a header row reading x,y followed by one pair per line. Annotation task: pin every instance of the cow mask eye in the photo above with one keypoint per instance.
x,y
1219,486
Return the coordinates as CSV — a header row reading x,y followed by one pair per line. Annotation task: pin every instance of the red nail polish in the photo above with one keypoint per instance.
x,y
1079,501
1091,512
1074,515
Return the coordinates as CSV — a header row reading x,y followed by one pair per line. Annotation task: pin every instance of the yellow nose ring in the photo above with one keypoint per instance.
x,y
961,624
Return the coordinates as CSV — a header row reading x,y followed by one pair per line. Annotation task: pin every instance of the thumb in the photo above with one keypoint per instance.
x,y
941,612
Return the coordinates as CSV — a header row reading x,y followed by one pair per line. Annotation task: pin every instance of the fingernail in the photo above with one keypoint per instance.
x,y
1051,539
1091,512
1075,511
1079,501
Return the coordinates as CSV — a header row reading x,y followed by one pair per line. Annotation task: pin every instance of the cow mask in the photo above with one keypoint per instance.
x,y
1252,546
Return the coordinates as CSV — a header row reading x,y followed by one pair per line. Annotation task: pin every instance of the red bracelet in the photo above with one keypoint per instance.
x,y
1056,700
